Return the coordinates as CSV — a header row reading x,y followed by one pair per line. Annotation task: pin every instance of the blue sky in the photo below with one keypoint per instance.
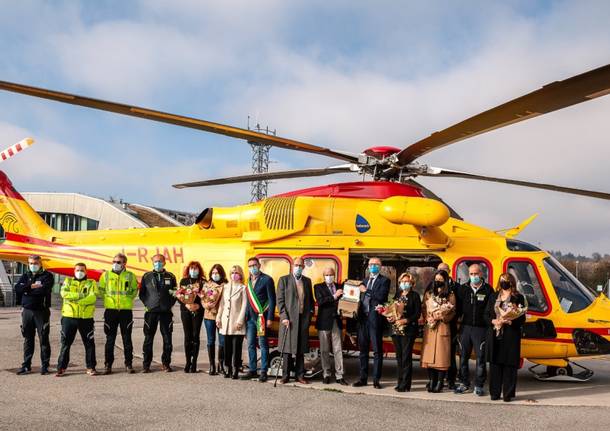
x,y
343,74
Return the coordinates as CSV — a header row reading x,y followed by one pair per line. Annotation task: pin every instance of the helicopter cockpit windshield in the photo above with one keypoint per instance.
x,y
572,294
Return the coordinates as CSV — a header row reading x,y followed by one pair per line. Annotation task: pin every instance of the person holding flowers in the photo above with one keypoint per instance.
x,y
210,296
231,319
505,314
438,309
191,311
407,306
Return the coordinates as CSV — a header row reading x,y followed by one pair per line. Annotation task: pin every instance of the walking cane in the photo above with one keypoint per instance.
x,y
281,361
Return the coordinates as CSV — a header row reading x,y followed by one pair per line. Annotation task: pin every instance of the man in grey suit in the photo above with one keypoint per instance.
x,y
295,304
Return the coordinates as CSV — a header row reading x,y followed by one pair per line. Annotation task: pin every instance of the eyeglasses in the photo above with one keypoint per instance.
x,y
117,261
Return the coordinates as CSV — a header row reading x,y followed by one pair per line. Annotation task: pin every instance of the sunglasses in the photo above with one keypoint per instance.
x,y
117,261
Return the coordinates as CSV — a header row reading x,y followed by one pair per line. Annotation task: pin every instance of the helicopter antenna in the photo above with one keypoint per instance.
x,y
260,163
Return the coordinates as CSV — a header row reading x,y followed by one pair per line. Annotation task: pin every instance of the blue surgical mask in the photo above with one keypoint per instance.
x,y
475,279
297,271
34,267
405,286
254,270
374,269
158,266
194,273
216,277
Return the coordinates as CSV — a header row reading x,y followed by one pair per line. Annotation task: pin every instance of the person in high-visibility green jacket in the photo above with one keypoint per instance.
x,y
119,288
79,296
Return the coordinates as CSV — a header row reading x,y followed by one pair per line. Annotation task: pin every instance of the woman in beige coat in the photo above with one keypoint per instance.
x,y
231,318
438,309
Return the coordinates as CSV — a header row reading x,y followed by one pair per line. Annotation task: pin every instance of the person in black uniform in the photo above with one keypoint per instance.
x,y
472,303
33,292
157,294
191,314
504,346
404,329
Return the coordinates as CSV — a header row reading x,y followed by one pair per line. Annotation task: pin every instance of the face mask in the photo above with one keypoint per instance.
x,y
79,275
216,277
475,279
236,277
374,269
329,279
405,286
505,285
194,273
439,284
254,270
158,266
117,267
297,271
34,267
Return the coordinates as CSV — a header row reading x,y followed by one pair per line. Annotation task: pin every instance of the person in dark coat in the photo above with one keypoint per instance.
x,y
34,295
296,306
157,290
328,324
374,291
405,328
191,313
504,345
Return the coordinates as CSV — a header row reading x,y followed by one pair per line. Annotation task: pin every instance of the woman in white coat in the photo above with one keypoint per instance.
x,y
231,319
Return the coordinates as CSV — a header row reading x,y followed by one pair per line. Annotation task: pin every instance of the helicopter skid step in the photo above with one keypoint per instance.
x,y
562,376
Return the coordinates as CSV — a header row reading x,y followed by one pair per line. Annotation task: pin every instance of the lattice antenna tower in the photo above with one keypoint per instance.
x,y
260,163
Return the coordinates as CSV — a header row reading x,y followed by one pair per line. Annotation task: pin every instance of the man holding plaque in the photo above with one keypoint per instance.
x,y
260,290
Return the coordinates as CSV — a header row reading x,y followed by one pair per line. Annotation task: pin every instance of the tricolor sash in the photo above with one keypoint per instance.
x,y
259,309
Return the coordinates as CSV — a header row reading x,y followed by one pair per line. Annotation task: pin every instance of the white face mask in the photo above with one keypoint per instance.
x,y
194,273
216,277
117,267
79,274
329,279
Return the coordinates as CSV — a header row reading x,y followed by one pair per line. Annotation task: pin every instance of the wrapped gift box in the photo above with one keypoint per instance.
x,y
348,304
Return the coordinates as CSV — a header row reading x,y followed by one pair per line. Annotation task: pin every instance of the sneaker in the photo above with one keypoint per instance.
x,y
23,371
479,391
461,389
249,376
60,372
92,372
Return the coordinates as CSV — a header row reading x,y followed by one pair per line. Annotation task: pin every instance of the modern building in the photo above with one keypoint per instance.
x,y
75,211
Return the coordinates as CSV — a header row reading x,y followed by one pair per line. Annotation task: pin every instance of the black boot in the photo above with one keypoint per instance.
x,y
440,379
430,384
228,372
212,360
221,360
187,367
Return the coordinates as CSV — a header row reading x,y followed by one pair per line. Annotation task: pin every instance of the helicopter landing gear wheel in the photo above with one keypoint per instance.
x,y
566,371
563,374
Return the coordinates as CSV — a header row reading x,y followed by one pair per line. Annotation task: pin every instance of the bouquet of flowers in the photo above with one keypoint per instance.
x,y
505,312
438,308
187,294
209,294
393,312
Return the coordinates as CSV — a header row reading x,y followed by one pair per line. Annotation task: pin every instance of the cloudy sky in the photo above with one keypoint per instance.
x,y
345,74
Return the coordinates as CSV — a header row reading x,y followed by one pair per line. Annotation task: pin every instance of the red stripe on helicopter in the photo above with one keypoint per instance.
x,y
6,187
598,331
24,239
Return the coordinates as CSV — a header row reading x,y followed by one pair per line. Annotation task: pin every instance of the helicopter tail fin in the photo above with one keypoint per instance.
x,y
17,218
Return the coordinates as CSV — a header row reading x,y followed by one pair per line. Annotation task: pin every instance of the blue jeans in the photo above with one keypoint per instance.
x,y
262,342
210,330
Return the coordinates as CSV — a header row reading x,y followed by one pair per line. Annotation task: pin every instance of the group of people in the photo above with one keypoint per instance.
x,y
236,305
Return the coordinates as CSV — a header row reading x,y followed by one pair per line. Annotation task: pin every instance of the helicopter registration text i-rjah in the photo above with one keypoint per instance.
x,y
343,225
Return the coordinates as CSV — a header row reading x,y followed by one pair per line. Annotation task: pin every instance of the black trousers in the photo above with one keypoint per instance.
x,y
69,327
473,337
452,371
191,323
403,344
233,348
165,321
367,336
113,320
33,322
502,380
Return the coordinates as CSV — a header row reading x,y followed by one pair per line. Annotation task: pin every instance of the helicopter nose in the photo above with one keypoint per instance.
x,y
592,341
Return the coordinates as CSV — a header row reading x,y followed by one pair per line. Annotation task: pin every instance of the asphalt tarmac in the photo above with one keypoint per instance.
x,y
199,401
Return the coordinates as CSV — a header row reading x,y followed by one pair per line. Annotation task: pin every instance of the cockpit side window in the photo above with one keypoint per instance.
x,y
529,285
573,296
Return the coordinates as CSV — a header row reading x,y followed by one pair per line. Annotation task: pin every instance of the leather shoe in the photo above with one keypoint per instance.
x,y
108,371
23,371
377,385
342,382
359,383
284,380
249,376
145,370
326,380
302,381
60,372
263,378
130,369
44,371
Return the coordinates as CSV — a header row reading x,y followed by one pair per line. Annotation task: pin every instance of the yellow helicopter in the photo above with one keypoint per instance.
x,y
342,225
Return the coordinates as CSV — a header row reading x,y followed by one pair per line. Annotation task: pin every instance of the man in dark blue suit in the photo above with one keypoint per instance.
x,y
373,292
260,290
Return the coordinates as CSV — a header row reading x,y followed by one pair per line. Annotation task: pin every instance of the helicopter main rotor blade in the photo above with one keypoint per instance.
x,y
446,173
551,97
300,173
179,120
